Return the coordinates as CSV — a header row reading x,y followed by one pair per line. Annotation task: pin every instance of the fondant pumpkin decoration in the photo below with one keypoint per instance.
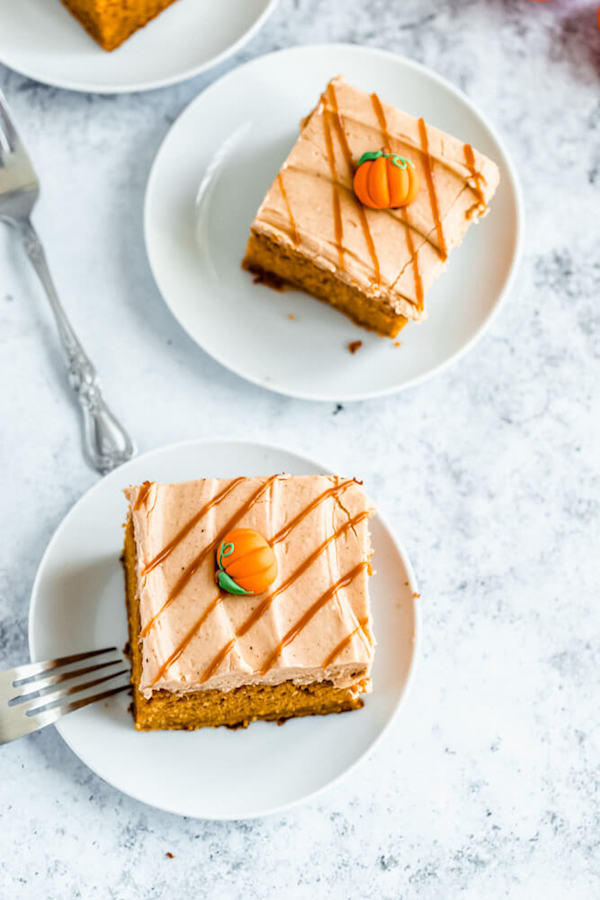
x,y
246,562
385,180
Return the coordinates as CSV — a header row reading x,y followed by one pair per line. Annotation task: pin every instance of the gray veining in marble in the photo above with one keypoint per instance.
x,y
488,785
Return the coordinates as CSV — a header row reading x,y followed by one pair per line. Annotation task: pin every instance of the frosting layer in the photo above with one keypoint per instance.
x,y
313,623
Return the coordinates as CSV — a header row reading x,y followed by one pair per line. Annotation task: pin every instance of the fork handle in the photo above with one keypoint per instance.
x,y
105,441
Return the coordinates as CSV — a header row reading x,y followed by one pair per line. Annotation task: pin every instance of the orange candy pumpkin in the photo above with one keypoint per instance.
x,y
385,180
246,562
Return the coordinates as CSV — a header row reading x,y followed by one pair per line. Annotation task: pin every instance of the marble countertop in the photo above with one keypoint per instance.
x,y
488,784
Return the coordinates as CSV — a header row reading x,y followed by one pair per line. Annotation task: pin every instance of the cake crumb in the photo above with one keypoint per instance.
x,y
416,596
291,317
353,346
397,343
170,855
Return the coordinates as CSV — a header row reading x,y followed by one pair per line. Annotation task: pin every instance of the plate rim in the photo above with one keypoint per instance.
x,y
361,758
513,180
139,87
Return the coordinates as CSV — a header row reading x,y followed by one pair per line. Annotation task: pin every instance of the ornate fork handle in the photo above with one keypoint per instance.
x,y
105,441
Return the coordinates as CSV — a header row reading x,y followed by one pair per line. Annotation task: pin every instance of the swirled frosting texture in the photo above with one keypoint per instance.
x,y
312,624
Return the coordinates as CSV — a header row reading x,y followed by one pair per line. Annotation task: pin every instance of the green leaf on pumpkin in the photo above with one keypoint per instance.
x,y
226,583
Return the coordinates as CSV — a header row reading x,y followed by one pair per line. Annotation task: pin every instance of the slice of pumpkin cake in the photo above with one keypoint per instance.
x,y
247,598
367,207
110,22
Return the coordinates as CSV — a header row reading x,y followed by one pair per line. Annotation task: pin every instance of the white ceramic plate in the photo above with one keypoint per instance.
x,y
78,604
240,131
42,40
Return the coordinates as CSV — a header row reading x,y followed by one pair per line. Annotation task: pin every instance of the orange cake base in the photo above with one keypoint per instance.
x,y
265,257
110,22
236,708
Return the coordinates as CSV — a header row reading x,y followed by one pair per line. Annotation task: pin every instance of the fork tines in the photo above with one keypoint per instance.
x,y
33,694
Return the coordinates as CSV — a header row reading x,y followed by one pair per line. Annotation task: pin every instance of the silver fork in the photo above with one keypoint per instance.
x,y
106,443
30,698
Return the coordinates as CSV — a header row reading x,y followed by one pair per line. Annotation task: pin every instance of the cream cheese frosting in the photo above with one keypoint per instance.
x,y
394,254
312,624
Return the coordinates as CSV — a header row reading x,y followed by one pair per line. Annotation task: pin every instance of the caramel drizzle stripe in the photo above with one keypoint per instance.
x,y
193,567
262,608
443,249
168,549
410,245
186,640
345,642
337,212
387,139
212,668
339,125
303,621
287,529
142,494
294,230
478,178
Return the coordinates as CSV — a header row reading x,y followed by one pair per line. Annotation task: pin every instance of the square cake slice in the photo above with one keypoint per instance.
x,y
203,656
375,265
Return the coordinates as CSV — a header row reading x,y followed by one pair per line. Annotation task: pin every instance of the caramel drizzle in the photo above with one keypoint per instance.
x,y
142,494
427,163
289,526
186,640
294,230
303,621
481,205
410,245
193,567
377,106
296,574
212,668
166,551
337,212
345,642
339,125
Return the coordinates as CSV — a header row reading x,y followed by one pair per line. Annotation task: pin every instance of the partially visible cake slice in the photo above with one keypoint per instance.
x,y
202,656
375,265
110,22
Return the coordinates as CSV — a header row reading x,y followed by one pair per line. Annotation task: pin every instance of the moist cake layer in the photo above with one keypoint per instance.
x,y
392,256
265,257
312,625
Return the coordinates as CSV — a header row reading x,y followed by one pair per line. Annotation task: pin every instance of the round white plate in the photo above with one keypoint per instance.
x,y
239,131
42,40
78,604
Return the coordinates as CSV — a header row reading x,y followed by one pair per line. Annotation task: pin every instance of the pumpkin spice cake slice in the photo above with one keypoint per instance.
x,y
247,598
110,22
367,208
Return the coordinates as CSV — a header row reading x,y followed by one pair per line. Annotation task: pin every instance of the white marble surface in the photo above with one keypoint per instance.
x,y
488,784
